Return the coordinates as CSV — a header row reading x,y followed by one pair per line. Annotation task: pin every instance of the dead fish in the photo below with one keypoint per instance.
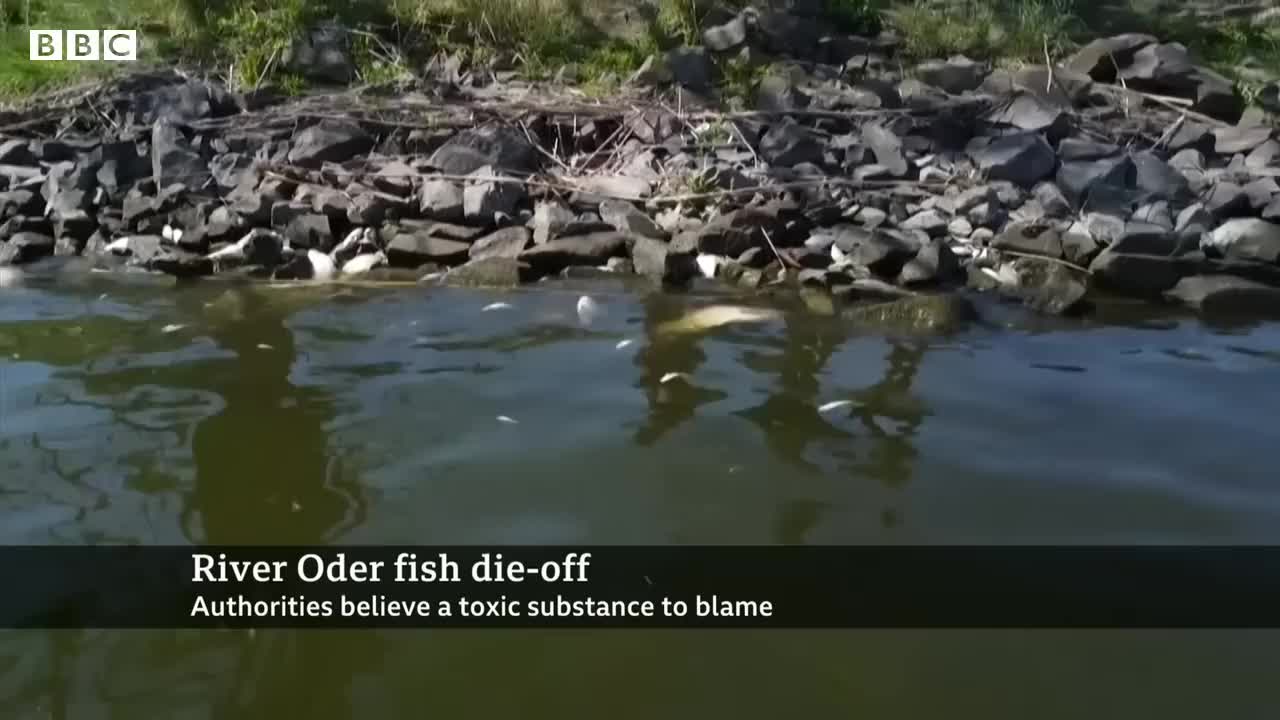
x,y
497,306
10,277
707,265
264,346
672,376
623,343
167,232
714,316
508,420
322,266
833,405
588,310
361,264
348,242
171,328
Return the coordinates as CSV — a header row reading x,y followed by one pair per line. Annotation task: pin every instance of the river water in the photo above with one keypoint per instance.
x,y
135,412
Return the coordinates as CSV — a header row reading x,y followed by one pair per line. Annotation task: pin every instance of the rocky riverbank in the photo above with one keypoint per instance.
x,y
1124,169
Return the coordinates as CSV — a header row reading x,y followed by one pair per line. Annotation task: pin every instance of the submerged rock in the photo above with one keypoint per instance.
x,y
940,314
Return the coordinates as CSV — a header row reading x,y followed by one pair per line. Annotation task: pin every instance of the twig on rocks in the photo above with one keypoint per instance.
x,y
1173,130
1048,64
537,146
774,248
1058,261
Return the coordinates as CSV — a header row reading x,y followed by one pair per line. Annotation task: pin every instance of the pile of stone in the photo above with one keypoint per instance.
x,y
1125,169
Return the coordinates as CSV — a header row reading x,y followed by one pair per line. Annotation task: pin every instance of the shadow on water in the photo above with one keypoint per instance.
x,y
887,412
263,475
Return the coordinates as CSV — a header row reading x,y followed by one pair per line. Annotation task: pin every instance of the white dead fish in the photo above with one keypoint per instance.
x,y
10,277
264,346
623,343
364,263
350,241
322,266
167,232
838,255
707,265
1006,275
177,235
834,405
171,328
588,310
119,246
508,420
496,306
671,376
714,316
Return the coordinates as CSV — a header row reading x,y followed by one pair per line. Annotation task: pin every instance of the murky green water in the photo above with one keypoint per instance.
x,y
368,416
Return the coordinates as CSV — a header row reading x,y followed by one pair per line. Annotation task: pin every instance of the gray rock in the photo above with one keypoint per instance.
x,y
322,54
173,160
1074,149
409,250
1226,199
1139,275
627,218
593,249
1245,239
1024,159
887,148
1091,183
933,263
1048,287
1030,113
507,242
489,200
488,272
333,141
956,75
1098,58
931,222
1260,191
441,200
788,144
1104,227
1078,245
1156,179
726,36
1231,140
394,177
656,259
1156,213
230,169
25,247
499,146
1227,295
883,252
1035,238
550,219
17,152
690,67
1263,155
1051,199
1062,87
20,202
922,96
1272,210
370,208
310,231
1145,239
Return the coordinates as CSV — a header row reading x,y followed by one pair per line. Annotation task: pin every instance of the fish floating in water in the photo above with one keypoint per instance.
x,y
834,405
496,306
508,420
10,277
672,376
588,310
714,316
623,343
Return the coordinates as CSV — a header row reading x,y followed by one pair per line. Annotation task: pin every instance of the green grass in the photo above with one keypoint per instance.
x,y
243,39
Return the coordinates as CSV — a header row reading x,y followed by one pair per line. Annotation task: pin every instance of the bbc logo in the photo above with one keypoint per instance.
x,y
109,45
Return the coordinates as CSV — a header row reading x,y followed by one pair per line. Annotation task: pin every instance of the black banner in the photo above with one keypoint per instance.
x,y
640,587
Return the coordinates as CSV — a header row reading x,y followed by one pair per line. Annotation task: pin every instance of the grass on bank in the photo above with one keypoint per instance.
x,y
243,39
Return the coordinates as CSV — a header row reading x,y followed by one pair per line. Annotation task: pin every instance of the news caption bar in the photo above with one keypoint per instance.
x,y
640,587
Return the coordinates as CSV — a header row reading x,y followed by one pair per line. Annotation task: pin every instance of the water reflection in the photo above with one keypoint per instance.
x,y
673,403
